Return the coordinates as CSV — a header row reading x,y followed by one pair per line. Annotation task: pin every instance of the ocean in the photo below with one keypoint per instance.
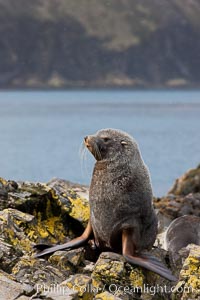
x,y
41,133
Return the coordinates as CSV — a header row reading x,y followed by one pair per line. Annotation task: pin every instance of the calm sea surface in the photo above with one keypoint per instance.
x,y
41,132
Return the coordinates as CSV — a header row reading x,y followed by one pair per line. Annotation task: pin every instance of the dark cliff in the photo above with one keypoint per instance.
x,y
67,43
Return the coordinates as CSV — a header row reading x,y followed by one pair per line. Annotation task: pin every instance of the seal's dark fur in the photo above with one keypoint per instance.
x,y
120,192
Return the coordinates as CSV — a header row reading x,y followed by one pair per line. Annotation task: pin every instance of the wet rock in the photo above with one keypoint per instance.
x,y
37,272
10,289
187,183
188,286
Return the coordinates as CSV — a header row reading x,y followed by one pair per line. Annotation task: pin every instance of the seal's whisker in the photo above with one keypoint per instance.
x,y
81,149
83,159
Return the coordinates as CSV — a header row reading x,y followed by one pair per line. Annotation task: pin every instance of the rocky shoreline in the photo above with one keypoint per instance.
x,y
57,211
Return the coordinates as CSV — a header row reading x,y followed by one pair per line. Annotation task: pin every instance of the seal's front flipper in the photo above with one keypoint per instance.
x,y
41,247
75,243
146,261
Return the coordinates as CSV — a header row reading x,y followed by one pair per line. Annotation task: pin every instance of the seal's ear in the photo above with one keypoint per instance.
x,y
123,143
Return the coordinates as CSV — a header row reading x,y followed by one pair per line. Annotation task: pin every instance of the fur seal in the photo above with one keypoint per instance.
x,y
181,232
122,217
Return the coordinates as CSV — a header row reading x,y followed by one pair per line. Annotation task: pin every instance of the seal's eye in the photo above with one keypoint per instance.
x,y
106,139
123,143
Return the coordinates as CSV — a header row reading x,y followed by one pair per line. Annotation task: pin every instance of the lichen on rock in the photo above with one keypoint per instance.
x,y
188,286
56,212
111,271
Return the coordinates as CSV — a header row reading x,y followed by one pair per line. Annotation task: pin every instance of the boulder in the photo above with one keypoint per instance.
x,y
171,207
10,289
187,183
188,286
56,212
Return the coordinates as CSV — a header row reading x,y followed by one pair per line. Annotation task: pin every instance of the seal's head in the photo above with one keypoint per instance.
x,y
109,144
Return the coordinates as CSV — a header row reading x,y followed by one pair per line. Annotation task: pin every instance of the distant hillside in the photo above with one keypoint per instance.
x,y
99,43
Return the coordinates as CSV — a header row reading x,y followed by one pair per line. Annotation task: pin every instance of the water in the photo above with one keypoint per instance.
x,y
41,132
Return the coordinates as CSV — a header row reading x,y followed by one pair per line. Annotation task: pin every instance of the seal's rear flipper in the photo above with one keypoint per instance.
x,y
146,260
152,265
75,243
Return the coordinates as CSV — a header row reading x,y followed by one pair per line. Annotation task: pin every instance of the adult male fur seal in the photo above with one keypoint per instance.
x,y
122,217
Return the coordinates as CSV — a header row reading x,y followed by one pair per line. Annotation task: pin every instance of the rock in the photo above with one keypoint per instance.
x,y
13,224
187,183
37,272
59,210
188,286
112,271
5,188
89,267
58,197
10,289
172,207
62,185
9,255
68,261
106,296
74,198
82,284
56,212
58,292
22,230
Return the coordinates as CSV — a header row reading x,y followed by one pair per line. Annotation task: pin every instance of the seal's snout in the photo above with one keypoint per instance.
x,y
87,141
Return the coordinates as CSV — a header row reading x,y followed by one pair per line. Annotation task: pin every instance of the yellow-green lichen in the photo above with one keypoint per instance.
x,y
53,194
82,284
105,296
136,277
190,275
79,209
25,262
51,229
3,181
111,268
